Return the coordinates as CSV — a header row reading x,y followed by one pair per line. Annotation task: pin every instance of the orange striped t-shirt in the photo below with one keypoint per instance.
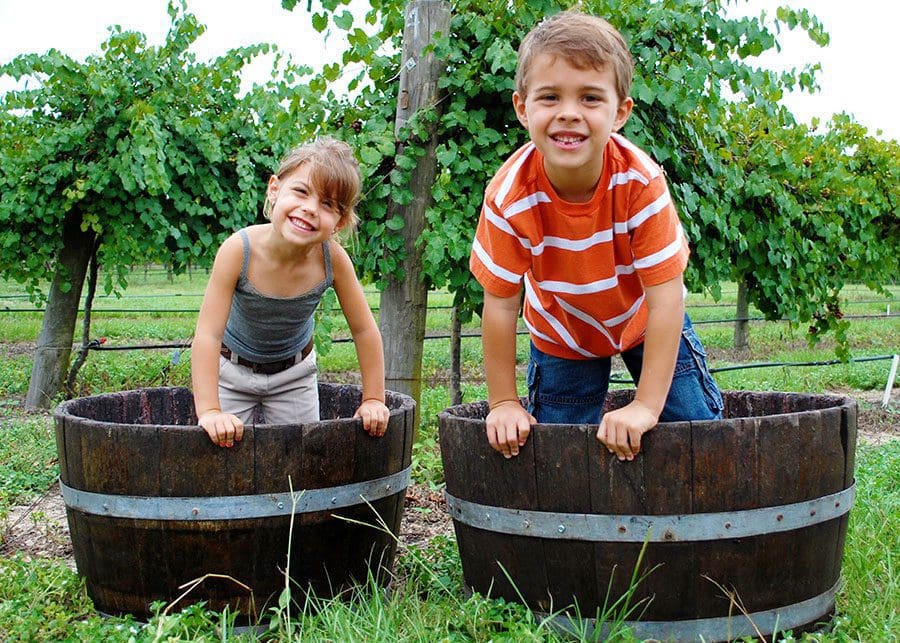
x,y
584,265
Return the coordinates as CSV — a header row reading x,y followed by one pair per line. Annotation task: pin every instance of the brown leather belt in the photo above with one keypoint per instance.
x,y
268,368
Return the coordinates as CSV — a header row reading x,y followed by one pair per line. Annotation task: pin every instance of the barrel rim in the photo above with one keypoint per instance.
x,y
840,402
62,411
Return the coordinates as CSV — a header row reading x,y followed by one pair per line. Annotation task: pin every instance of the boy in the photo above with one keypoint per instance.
x,y
585,219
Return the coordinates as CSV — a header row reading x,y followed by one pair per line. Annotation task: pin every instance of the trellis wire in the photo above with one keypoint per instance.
x,y
7,309
613,380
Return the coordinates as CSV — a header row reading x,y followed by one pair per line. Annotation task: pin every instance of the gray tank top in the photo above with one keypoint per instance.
x,y
262,328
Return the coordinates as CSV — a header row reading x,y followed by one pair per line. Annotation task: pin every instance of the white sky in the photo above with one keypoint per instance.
x,y
853,77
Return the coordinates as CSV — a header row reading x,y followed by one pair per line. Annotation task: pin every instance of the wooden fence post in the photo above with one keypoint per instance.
x,y
404,301
742,325
455,357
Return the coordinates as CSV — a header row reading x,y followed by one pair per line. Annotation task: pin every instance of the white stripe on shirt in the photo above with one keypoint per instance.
x,y
641,156
502,224
657,206
662,255
498,271
590,321
628,314
510,178
577,245
525,204
621,178
590,288
534,331
554,322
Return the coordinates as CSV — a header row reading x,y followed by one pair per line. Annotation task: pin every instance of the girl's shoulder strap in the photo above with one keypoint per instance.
x,y
246,261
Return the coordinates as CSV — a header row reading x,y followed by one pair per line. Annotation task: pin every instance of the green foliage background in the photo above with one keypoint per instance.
x,y
793,212
160,155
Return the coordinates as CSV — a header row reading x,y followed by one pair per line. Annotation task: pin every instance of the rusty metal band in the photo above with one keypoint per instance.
x,y
663,528
236,507
723,628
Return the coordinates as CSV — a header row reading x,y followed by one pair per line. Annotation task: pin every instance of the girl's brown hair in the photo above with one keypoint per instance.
x,y
582,40
333,172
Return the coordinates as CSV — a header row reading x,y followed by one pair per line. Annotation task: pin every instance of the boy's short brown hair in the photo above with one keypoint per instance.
x,y
333,172
582,40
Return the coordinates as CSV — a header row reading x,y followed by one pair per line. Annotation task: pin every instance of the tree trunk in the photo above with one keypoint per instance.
x,y
742,325
404,301
81,356
51,357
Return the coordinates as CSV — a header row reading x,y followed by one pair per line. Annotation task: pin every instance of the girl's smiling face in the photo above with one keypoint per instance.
x,y
570,114
299,212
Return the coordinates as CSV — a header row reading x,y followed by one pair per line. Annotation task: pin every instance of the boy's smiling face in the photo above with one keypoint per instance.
x,y
569,114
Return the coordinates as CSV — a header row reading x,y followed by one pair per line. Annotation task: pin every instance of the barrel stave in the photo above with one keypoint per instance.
x,y
129,563
724,479
59,432
120,461
619,489
666,465
773,449
492,553
779,454
388,452
560,462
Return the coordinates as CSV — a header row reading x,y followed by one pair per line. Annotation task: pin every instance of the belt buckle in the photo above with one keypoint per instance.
x,y
271,368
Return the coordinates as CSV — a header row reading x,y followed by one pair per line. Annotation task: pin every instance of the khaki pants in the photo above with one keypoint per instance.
x,y
288,397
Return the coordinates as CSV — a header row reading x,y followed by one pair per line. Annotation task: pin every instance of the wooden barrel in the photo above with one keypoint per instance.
x,y
754,506
153,504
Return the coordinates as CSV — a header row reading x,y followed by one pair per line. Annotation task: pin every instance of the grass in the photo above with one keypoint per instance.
x,y
870,597
43,599
27,457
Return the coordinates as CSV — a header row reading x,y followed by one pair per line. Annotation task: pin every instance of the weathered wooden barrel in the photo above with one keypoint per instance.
x,y
153,504
755,505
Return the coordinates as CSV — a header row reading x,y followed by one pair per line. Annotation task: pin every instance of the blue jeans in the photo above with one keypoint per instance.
x,y
572,391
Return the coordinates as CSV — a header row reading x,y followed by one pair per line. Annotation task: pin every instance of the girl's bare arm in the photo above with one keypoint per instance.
x,y
223,428
366,339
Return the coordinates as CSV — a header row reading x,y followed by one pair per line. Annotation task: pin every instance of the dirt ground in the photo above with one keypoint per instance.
x,y
40,529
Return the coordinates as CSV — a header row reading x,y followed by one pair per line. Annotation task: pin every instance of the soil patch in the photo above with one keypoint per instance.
x,y
876,425
425,516
17,349
39,529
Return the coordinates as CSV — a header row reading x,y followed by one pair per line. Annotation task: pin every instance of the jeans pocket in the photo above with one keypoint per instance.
x,y
695,359
533,379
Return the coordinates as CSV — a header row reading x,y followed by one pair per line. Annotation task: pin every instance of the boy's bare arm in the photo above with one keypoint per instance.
x,y
508,423
621,430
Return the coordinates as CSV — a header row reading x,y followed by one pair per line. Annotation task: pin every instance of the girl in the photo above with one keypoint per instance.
x,y
254,337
